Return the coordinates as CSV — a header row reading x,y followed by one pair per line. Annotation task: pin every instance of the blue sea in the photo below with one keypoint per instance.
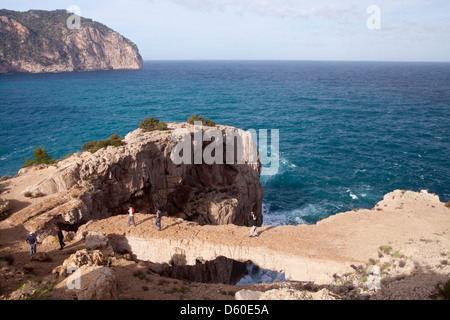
x,y
349,131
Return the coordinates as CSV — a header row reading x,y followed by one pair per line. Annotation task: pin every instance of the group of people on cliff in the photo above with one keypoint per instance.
x,y
132,211
32,240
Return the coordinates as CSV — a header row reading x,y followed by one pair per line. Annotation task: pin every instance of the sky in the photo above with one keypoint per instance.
x,y
406,30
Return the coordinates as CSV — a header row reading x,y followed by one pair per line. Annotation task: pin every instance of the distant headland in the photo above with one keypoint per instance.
x,y
39,41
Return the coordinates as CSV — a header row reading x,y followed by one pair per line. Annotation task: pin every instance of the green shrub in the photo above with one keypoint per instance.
x,y
4,215
38,195
40,156
205,122
94,146
152,124
140,274
385,249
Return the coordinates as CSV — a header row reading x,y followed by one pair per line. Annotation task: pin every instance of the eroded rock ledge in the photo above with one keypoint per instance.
x,y
303,253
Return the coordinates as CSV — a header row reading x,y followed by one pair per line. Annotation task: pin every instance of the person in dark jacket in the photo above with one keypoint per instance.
x,y
158,219
254,224
31,240
60,238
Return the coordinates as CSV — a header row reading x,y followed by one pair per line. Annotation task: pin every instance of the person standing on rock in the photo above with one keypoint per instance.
x,y
131,216
31,240
60,238
158,219
254,223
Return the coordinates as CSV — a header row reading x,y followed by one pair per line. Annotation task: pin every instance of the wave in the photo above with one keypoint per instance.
x,y
352,195
271,170
294,216
256,275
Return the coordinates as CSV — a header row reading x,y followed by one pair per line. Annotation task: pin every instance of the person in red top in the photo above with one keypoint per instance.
x,y
131,216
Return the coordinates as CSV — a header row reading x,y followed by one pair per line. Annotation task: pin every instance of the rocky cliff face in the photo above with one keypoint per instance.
x,y
40,41
142,173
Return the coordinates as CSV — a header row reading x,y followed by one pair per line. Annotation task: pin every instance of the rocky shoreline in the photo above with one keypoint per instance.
x,y
397,250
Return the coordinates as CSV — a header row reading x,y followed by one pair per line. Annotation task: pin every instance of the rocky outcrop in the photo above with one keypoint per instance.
x,y
143,173
89,283
40,41
320,253
285,294
86,275
79,259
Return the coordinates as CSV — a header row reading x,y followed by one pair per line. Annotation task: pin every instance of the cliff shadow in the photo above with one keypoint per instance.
x,y
261,230
220,270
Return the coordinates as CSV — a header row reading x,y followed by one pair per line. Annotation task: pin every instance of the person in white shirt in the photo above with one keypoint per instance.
x,y
131,216
254,223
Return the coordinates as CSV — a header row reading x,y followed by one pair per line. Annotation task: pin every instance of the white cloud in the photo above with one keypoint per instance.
x,y
285,9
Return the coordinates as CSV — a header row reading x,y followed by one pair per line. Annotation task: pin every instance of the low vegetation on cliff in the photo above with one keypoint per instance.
x,y
40,156
152,124
206,122
93,146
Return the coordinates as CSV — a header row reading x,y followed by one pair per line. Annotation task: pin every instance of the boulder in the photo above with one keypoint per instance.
x,y
291,294
41,256
89,283
79,259
374,270
50,240
248,295
69,235
323,279
285,294
25,291
96,240
324,294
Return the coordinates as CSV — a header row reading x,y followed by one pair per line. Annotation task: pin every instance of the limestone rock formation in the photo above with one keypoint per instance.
x,y
89,283
245,294
334,248
142,172
79,259
41,41
96,240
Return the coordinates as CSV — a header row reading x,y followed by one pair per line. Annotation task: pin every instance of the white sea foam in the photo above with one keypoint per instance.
x,y
256,275
352,195
290,217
